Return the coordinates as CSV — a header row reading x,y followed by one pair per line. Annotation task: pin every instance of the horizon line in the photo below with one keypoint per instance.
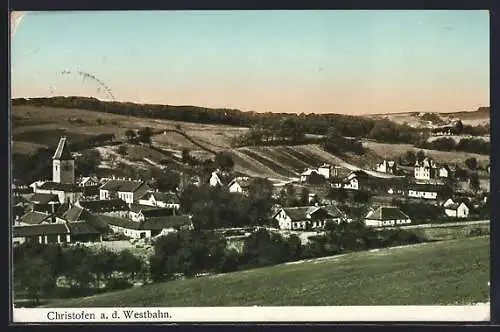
x,y
245,111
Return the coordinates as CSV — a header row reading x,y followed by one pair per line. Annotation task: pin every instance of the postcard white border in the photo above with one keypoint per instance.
x,y
473,313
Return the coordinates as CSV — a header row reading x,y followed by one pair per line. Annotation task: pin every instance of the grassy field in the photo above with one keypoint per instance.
x,y
448,272
38,125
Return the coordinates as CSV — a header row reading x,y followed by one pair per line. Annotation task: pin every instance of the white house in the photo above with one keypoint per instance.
x,y
127,190
456,208
328,171
139,212
88,181
150,227
306,174
386,166
386,216
160,199
444,171
215,180
351,182
305,217
239,185
425,170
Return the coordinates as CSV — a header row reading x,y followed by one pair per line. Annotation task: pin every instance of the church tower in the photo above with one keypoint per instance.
x,y
63,164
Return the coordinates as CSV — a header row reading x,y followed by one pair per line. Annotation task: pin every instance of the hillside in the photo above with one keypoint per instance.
x,y
448,272
481,116
37,127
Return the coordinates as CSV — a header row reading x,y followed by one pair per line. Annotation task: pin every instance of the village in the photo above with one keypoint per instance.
x,y
94,210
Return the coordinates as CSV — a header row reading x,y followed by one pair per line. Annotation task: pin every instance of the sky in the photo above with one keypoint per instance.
x,y
349,62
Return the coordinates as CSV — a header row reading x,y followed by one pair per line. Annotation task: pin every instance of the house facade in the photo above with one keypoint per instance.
x,y
239,185
456,208
112,207
161,200
425,170
308,217
386,216
214,180
386,166
127,190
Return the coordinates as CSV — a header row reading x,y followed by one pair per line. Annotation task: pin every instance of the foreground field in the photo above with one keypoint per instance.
x,y
448,272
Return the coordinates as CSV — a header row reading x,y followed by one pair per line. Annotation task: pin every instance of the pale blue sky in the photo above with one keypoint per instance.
x,y
283,61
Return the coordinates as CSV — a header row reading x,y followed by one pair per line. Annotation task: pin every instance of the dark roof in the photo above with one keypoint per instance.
x,y
19,200
333,211
105,205
62,208
244,183
34,217
81,228
66,187
298,213
43,229
62,151
122,185
387,213
41,198
120,222
160,223
73,213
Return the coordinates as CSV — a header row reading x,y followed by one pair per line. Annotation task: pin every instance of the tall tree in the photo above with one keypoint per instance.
x,y
471,163
474,183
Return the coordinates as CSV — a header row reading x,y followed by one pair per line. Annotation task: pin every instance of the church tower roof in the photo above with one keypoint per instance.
x,y
62,151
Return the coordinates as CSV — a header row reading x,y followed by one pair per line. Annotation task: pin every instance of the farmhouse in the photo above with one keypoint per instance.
x,y
425,170
386,166
48,203
457,208
71,225
444,171
127,190
239,185
328,171
215,180
427,191
160,199
110,207
386,216
304,176
308,217
148,228
139,212
88,181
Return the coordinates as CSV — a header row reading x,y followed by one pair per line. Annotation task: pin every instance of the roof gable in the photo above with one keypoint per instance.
x,y
387,213
122,185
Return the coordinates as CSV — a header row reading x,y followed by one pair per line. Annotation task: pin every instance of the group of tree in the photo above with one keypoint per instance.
x,y
39,268
215,207
471,145
142,135
410,157
185,254
88,163
337,144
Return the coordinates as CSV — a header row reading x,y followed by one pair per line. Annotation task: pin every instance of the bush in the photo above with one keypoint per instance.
x,y
118,284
